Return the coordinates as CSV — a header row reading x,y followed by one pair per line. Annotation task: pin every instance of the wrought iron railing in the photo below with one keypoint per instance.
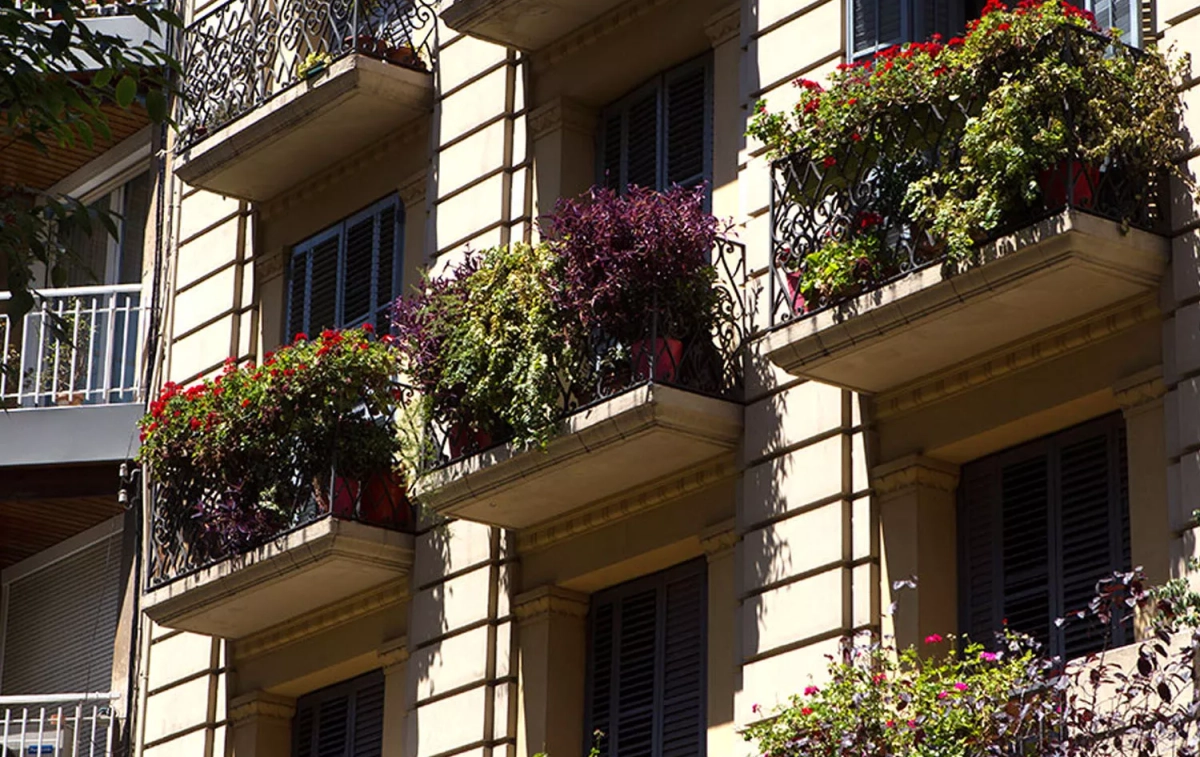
x,y
828,197
77,346
218,524
244,52
707,361
57,725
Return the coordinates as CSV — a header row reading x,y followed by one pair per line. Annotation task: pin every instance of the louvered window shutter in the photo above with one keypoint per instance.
x,y
646,666
1039,525
349,274
661,134
61,623
1120,14
876,24
343,720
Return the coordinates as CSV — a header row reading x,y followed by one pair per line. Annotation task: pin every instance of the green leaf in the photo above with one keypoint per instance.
x,y
156,105
102,77
126,91
20,304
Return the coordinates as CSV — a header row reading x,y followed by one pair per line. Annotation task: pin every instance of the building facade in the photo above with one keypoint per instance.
x,y
672,565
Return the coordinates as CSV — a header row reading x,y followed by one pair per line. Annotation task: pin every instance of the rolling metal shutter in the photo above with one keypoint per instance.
x,y
61,624
1039,525
646,665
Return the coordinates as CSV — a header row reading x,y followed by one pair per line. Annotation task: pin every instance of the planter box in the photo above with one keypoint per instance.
x,y
316,123
299,572
646,434
1039,279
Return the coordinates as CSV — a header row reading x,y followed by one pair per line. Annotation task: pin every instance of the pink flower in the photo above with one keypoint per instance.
x,y
891,724
912,724
943,694
810,690
988,656
755,708
934,638
960,686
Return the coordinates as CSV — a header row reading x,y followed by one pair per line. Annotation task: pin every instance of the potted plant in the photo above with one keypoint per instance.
x,y
259,448
313,64
637,272
1032,109
487,344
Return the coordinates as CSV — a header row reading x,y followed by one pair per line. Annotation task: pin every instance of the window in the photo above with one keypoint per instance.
x,y
1039,525
101,259
343,720
660,134
646,665
878,24
348,274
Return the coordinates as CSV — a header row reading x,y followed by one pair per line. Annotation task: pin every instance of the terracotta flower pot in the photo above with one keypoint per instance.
x,y
668,354
795,299
464,439
381,501
1057,180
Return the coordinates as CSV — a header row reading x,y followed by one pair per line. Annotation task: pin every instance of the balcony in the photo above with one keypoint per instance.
x,y
1086,239
666,408
71,384
58,725
275,489
524,24
274,94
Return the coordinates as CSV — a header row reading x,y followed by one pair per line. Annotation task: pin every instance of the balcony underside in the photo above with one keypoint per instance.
x,y
524,24
307,128
645,434
1044,276
297,573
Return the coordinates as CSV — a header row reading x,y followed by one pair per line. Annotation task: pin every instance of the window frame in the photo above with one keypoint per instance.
x,y
302,251
658,84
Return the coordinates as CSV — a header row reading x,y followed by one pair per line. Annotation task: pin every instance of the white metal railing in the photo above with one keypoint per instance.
x,y
57,725
77,346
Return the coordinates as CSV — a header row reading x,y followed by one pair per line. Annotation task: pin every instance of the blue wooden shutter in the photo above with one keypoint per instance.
x,y
343,720
1120,14
876,24
688,112
646,665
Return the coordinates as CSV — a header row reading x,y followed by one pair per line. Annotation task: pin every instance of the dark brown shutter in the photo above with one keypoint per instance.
x,y
646,677
1040,524
387,288
610,150
323,285
343,720
687,127
641,142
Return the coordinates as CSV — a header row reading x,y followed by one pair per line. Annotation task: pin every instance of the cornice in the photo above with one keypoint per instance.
x,y
412,190
593,31
1034,351
393,653
724,25
321,620
562,114
346,169
623,506
914,471
268,266
260,704
545,601
719,539
1140,389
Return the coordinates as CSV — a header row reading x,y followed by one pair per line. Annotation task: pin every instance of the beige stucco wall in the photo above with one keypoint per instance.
x,y
831,497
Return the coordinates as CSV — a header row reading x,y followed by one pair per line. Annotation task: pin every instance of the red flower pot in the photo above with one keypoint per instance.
x,y
463,439
383,502
795,299
1081,177
668,354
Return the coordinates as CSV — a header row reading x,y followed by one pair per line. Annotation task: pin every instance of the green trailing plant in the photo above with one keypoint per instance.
x,y
313,64
973,127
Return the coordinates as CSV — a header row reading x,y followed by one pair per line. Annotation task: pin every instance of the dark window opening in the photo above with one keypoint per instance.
x,y
343,720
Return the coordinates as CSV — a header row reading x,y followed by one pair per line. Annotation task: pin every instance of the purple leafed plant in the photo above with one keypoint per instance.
x,y
625,256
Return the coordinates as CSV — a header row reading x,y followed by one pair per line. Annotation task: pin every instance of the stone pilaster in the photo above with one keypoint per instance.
x,y
552,628
262,725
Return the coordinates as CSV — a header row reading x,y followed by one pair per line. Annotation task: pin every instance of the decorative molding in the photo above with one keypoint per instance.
x,y
593,31
545,601
626,505
562,113
393,653
412,190
322,620
1038,349
1140,389
914,471
724,25
269,266
260,704
346,169
720,539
